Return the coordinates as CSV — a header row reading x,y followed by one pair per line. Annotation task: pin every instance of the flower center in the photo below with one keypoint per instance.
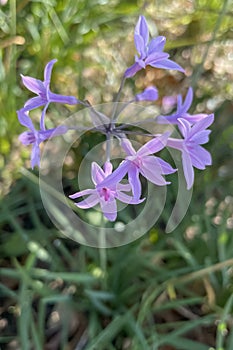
x,y
105,193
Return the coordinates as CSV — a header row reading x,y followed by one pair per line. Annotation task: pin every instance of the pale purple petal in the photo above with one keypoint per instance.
x,y
97,173
185,127
35,155
188,100
88,202
42,123
201,125
149,94
141,29
82,193
202,154
127,147
46,134
167,64
123,187
133,177
175,143
156,44
33,84
25,120
166,167
57,98
48,72
152,170
154,145
109,209
128,199
188,169
201,137
34,102
140,45
195,117
156,57
117,175
131,71
27,138
107,168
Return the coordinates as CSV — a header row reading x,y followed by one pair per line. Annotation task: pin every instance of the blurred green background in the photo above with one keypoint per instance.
x,y
164,291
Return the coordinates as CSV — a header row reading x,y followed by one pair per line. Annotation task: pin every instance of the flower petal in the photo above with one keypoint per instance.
x,y
156,44
152,171
188,100
107,168
127,147
155,58
149,94
167,64
201,154
133,176
34,85
128,199
188,169
117,175
25,120
97,174
141,30
88,202
48,72
35,155
202,124
34,102
184,127
57,98
155,145
82,193
109,209
165,166
131,71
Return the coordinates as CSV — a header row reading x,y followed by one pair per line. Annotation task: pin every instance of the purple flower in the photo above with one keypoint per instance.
x,y
182,111
149,53
193,155
35,137
104,195
149,94
45,96
142,162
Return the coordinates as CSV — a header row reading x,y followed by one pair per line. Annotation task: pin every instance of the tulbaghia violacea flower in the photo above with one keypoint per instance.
x,y
150,53
104,195
193,155
45,96
35,137
182,111
149,94
142,162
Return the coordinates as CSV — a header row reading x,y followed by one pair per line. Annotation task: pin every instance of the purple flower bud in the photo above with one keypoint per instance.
x,y
149,94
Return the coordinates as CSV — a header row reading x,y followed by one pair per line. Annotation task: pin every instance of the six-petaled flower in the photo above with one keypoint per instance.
x,y
104,195
45,95
35,137
142,162
150,53
193,155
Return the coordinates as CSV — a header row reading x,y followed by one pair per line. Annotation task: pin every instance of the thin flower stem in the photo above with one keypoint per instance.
x,y
108,146
114,113
103,252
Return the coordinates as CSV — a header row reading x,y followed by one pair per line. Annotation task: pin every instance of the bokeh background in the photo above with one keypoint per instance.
x,y
165,291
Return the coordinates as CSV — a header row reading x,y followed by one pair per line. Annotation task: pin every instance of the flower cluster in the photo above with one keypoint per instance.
x,y
108,187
